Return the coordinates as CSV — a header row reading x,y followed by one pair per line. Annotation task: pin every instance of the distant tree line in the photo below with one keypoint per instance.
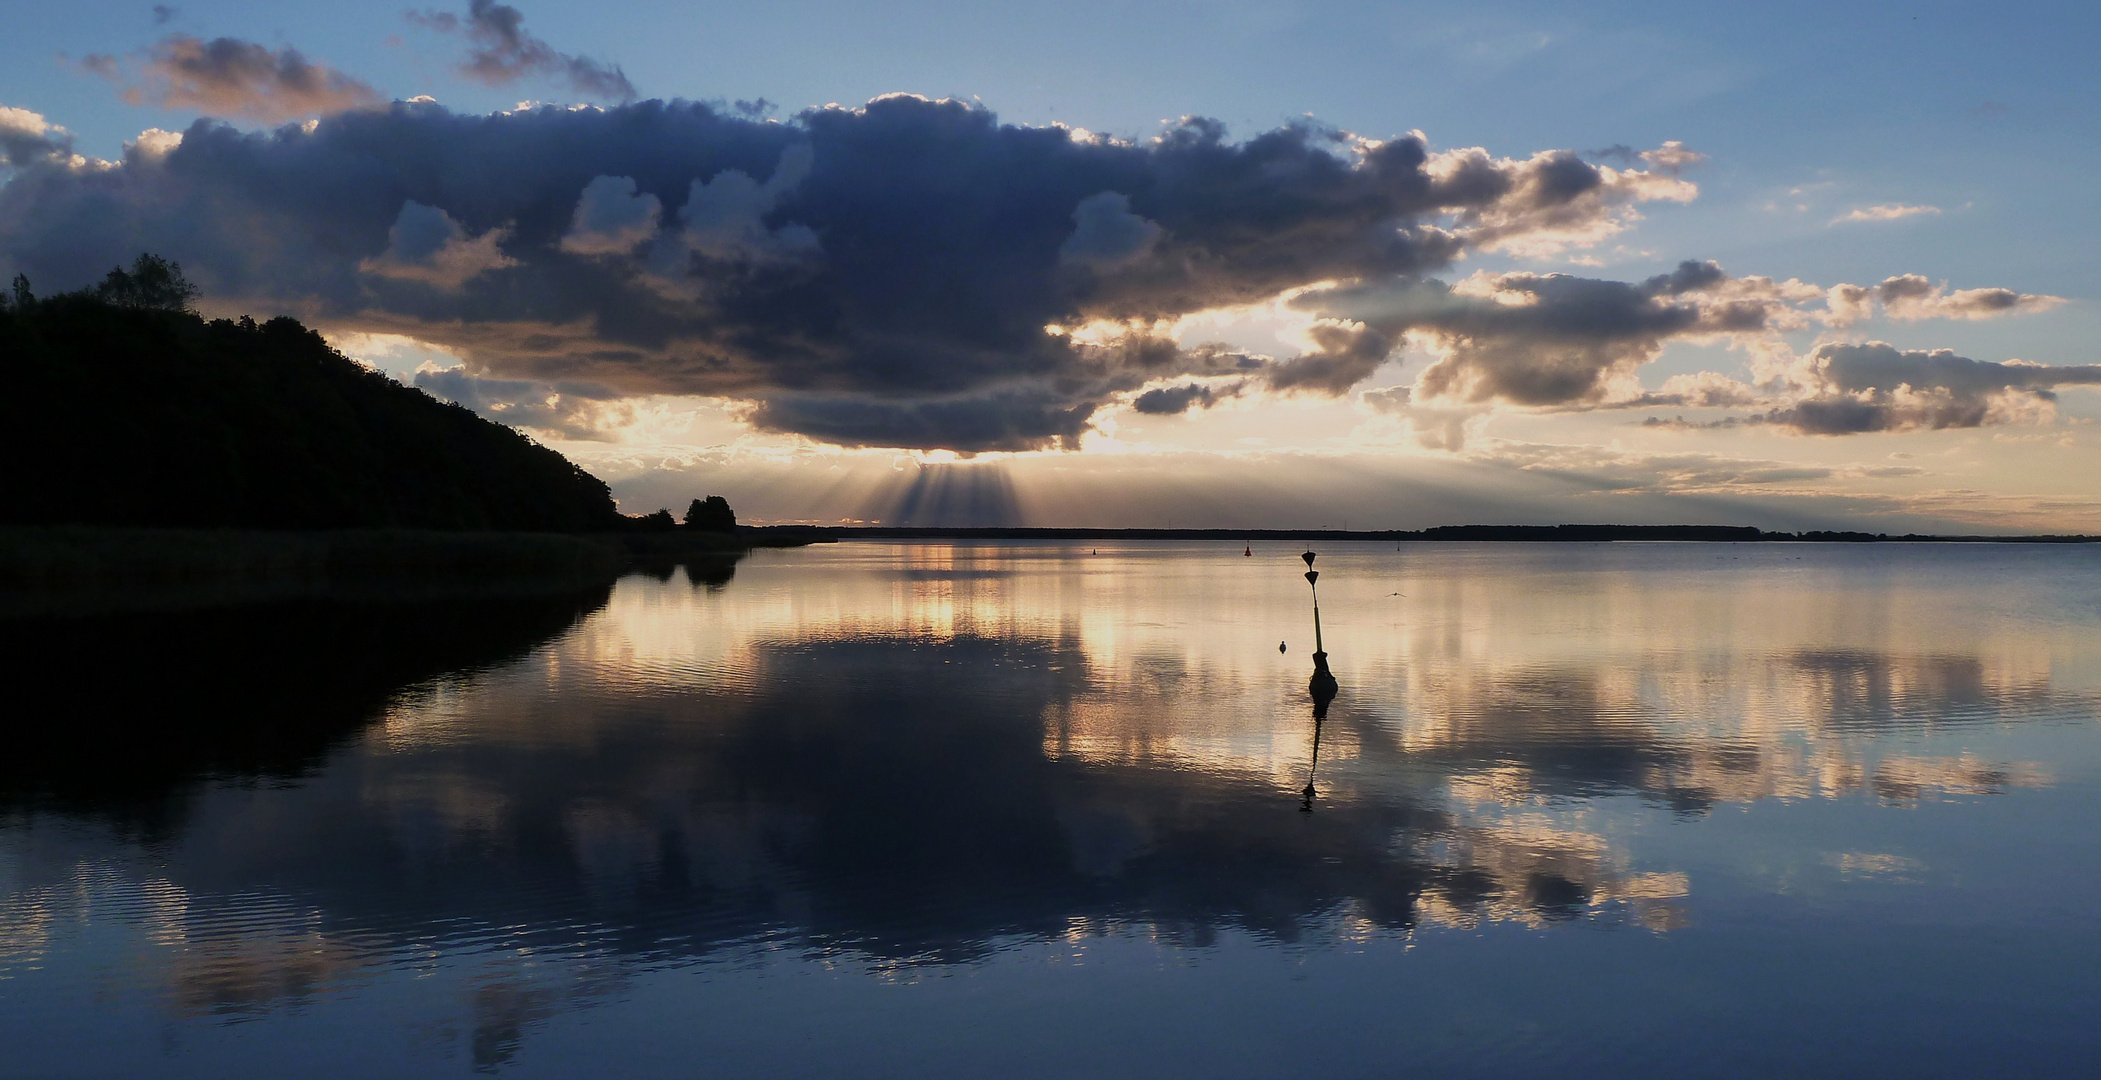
x,y
711,514
124,407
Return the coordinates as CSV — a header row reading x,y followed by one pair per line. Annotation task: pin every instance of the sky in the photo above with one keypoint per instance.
x,y
1166,264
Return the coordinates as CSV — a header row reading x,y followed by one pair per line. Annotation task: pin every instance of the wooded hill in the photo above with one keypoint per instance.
x,y
123,407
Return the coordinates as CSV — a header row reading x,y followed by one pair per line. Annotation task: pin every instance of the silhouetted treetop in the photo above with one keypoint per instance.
x,y
711,514
124,408
154,284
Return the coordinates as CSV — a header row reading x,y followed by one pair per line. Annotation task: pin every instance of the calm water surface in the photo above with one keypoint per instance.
x,y
1038,810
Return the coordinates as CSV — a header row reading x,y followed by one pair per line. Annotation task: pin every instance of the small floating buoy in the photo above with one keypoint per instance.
x,y
1280,646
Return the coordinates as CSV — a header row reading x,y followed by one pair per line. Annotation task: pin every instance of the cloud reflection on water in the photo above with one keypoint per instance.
x,y
906,756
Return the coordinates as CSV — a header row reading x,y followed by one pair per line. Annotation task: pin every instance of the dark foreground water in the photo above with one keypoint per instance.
x,y
1016,811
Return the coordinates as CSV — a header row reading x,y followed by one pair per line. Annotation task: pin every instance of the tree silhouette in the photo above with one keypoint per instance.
x,y
154,284
125,408
711,514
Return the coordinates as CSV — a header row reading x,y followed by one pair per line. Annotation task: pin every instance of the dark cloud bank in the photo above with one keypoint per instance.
x,y
883,275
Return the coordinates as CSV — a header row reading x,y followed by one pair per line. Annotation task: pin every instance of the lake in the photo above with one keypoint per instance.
x,y
1025,810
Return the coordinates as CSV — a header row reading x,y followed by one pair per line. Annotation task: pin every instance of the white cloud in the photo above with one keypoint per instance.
x,y
153,143
26,138
1672,157
1885,212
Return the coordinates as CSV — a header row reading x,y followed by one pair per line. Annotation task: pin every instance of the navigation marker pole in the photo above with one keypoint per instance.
x,y
1322,687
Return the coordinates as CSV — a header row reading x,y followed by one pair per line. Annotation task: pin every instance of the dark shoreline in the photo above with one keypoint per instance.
x,y
80,568
72,569
1587,534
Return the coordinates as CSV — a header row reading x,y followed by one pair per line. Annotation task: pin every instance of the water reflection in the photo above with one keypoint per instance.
x,y
896,757
117,712
1545,733
1322,687
872,796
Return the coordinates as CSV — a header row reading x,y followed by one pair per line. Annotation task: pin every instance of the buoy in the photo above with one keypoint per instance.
x,y
1280,646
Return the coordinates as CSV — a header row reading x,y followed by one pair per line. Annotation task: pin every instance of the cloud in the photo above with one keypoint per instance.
x,y
1561,342
1699,390
611,218
1672,157
503,53
1536,340
1885,212
885,275
1175,400
1851,389
230,77
1345,352
1433,427
427,246
153,142
1029,419
1624,472
913,273
568,411
26,139
1551,202
1106,236
724,217
1911,297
